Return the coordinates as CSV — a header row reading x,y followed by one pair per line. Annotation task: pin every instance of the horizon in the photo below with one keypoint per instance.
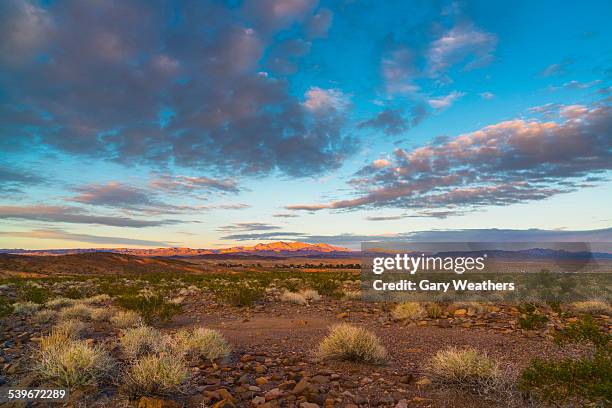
x,y
129,125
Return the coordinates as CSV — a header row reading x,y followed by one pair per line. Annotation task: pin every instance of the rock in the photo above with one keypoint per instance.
x,y
320,379
261,381
460,312
224,404
301,387
406,379
225,394
273,394
258,401
342,315
150,402
309,405
402,404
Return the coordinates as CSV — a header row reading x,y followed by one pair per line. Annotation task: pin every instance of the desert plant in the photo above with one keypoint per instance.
x,y
593,307
73,363
584,330
409,310
44,316
240,295
25,308
59,303
155,375
352,295
150,307
584,382
33,293
76,311
434,310
350,343
291,297
138,341
6,308
126,318
470,307
101,314
200,343
466,368
70,328
310,295
96,300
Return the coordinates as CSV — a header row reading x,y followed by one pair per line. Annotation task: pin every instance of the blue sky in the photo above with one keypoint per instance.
x,y
154,123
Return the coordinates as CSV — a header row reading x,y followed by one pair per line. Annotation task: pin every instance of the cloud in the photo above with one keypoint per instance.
x,y
557,69
278,235
385,217
389,121
100,94
186,184
318,25
463,43
325,100
487,95
446,101
399,71
509,162
74,215
13,179
59,234
580,85
285,215
248,226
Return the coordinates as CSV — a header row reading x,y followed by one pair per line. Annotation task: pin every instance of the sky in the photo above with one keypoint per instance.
x,y
207,124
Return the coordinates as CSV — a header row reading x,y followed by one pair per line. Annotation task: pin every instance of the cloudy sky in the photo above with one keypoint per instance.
x,y
155,123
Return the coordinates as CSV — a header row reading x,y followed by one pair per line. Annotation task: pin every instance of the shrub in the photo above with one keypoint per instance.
x,y
532,321
124,319
25,308
240,295
33,293
139,341
101,314
6,308
466,368
201,343
73,363
350,343
434,311
326,287
44,316
155,374
59,303
96,300
471,307
291,297
151,308
584,330
70,328
310,294
409,310
558,381
352,295
76,311
593,307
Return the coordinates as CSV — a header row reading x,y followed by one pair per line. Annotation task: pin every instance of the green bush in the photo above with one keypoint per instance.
x,y
584,330
240,295
6,307
150,307
556,381
30,293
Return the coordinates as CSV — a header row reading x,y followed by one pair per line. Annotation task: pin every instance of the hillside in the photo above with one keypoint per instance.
x,y
98,263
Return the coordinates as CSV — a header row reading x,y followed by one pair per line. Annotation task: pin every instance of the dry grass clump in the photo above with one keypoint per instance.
x,y
139,341
126,318
467,368
76,311
292,297
470,307
25,308
71,363
102,314
156,375
350,343
352,295
59,303
44,316
70,328
95,300
200,343
593,307
310,295
409,310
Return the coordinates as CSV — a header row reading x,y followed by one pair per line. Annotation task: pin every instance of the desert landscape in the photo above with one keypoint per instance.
x,y
281,325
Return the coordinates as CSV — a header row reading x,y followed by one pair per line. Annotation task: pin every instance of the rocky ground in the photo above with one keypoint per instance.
x,y
273,361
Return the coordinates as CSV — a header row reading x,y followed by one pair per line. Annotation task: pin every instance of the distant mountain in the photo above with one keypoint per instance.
x,y
274,249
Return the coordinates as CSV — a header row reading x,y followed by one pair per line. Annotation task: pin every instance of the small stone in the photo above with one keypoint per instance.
x,y
402,404
258,400
423,382
342,315
309,405
261,381
460,312
273,394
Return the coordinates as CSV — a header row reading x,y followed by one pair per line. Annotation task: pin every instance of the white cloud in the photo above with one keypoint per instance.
x,y
444,102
